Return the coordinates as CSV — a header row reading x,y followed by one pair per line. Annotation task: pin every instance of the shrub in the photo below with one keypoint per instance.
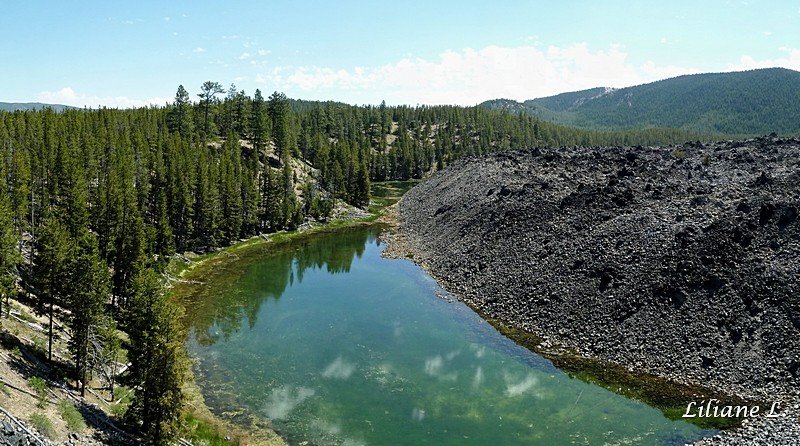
x,y
71,416
41,423
122,396
27,317
679,153
40,344
40,387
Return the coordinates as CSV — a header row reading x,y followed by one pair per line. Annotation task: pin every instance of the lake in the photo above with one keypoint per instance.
x,y
337,345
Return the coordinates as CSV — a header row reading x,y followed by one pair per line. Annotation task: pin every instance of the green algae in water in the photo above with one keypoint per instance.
x,y
337,345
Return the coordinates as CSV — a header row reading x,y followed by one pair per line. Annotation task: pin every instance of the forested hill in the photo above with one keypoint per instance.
x,y
94,203
756,102
22,106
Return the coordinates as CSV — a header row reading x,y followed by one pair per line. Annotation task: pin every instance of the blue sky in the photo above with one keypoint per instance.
x,y
123,54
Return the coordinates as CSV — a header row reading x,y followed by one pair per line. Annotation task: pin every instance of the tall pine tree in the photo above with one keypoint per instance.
x,y
9,256
51,272
158,362
88,292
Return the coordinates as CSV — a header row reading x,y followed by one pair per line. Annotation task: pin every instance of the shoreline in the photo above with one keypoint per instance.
x,y
428,220
657,391
184,274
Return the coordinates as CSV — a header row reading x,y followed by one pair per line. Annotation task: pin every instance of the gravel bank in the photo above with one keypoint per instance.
x,y
682,261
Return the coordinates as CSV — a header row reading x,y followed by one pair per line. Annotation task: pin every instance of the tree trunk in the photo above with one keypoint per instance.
x,y
50,338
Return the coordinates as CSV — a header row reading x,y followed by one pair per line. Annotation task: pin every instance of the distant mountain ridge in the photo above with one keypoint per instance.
x,y
22,106
755,102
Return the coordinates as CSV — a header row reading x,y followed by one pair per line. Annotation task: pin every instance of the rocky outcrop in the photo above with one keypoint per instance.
x,y
683,261
10,436
14,432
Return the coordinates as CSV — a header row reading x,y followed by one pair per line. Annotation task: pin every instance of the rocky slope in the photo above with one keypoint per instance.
x,y
682,261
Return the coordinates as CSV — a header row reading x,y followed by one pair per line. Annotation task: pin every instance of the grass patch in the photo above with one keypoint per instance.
x,y
669,397
122,400
40,344
25,316
71,416
40,387
201,432
41,423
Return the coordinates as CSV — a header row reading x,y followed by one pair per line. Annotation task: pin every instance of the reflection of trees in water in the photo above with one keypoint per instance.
x,y
235,292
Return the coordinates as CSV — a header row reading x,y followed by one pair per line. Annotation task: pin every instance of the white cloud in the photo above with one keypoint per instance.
x,y
478,380
470,76
199,49
518,387
480,350
65,94
434,366
653,72
245,56
339,369
284,400
791,61
68,96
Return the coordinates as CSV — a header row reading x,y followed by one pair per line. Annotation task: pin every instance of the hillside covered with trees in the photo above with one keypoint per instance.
x,y
94,203
749,103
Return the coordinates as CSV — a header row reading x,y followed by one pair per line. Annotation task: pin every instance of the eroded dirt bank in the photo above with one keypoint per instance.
x,y
683,261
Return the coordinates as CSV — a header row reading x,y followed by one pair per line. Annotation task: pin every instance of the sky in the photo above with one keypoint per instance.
x,y
136,53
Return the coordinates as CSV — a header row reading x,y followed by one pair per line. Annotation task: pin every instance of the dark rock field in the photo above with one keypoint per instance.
x,y
681,261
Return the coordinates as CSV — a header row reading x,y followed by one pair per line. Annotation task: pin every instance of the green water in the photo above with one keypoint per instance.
x,y
337,345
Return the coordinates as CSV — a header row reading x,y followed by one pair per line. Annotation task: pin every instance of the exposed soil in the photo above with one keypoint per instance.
x,y
23,346
679,261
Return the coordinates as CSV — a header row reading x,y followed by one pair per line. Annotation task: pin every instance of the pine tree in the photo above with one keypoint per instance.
x,y
88,289
206,201
278,109
207,95
180,118
125,221
361,192
51,271
19,178
9,256
162,243
250,199
273,199
289,199
258,123
158,364
180,201
105,351
128,258
231,188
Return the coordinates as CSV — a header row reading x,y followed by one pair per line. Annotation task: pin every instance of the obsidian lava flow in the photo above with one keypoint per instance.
x,y
682,260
